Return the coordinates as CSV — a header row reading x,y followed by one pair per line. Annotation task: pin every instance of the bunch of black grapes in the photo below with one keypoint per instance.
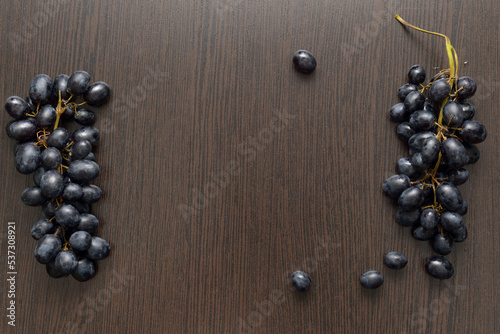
x,y
437,124
63,168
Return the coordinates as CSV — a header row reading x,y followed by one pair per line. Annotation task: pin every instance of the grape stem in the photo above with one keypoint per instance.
x,y
59,110
450,50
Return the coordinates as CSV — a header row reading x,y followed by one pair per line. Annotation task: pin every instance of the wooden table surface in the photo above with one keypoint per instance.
x,y
224,169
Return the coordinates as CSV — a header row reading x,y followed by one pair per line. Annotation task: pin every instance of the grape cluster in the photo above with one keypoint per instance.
x,y
63,167
436,122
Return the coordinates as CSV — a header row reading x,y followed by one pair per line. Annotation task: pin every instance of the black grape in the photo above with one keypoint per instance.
x,y
439,267
78,83
371,279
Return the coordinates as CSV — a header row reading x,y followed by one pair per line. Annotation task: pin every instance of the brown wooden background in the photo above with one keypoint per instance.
x,y
197,90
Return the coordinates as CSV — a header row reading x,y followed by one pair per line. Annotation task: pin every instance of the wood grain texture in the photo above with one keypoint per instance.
x,y
224,169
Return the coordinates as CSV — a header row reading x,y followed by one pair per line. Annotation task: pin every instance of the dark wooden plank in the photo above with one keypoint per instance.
x,y
224,169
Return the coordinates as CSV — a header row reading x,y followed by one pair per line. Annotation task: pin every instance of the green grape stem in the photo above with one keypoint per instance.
x,y
450,50
59,111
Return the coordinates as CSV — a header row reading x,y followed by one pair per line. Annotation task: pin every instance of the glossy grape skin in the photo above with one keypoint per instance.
x,y
30,103
430,107
459,234
16,107
418,163
33,196
98,250
60,84
68,114
416,141
91,194
41,89
404,166
411,199
405,131
466,87
91,157
453,114
88,223
398,113
22,130
80,206
52,271
301,280
80,241
49,209
304,61
442,244
449,197
395,260
423,234
41,228
8,132
451,220
46,116
85,117
47,248
371,279
52,184
97,93
407,218
65,262
80,149
458,176
84,270
472,152
465,208
414,101
27,158
468,110
427,189
78,83
405,90
58,138
50,158
416,75
438,76
473,132
439,267
83,171
67,216
86,133
395,185
429,219
430,150
453,153
422,120
72,192
439,90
